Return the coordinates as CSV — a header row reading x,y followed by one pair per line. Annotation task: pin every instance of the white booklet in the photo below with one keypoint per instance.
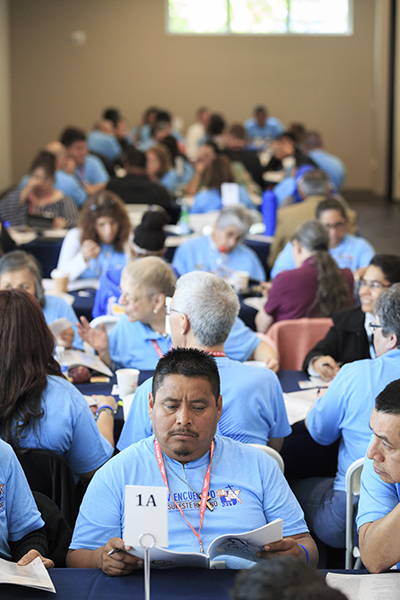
x,y
76,358
243,545
34,575
366,587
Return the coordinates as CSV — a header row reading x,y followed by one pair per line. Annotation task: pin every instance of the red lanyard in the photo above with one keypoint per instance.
x,y
204,493
157,348
217,353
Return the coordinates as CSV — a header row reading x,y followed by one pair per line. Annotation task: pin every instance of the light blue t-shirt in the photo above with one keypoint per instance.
x,y
208,200
56,308
18,511
377,498
66,183
253,409
344,411
108,258
201,254
131,345
92,171
68,428
352,253
331,164
103,143
241,342
263,493
170,181
271,129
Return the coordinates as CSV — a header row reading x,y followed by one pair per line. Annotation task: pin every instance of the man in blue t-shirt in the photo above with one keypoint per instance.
x,y
89,170
343,412
378,518
243,487
202,313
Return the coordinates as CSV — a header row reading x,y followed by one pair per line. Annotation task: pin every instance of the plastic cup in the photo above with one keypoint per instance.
x,y
61,279
127,381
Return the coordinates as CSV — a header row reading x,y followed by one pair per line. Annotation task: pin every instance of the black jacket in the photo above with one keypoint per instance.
x,y
346,341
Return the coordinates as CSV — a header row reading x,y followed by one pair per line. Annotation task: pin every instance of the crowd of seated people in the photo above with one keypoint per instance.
x,y
178,316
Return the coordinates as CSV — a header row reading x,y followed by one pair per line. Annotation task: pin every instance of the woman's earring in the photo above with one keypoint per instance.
x,y
155,311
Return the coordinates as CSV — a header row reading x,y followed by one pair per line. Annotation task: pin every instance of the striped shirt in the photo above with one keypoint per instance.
x,y
17,214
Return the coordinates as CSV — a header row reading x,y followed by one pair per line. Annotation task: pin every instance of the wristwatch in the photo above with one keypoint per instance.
x,y
107,409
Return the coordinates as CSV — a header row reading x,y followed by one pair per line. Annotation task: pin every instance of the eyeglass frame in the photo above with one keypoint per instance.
x,y
168,310
130,298
374,326
372,285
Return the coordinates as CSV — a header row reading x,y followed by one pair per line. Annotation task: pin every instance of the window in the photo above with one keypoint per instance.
x,y
260,17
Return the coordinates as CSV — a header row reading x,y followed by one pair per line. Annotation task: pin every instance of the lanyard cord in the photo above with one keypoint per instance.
x,y
204,494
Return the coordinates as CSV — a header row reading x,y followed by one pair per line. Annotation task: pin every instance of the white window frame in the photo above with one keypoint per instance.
x,y
348,33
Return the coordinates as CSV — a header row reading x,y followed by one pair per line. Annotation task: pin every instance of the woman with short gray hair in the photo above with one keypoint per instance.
x,y
315,288
223,249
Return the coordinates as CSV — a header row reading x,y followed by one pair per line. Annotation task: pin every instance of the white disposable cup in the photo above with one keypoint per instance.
x,y
127,381
61,279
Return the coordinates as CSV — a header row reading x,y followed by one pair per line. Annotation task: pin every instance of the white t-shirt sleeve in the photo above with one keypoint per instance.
x,y
71,258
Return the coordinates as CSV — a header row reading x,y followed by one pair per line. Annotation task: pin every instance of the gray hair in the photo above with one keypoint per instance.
x,y
312,235
314,183
387,308
209,303
18,260
235,216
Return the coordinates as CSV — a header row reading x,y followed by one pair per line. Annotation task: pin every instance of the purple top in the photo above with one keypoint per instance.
x,y
293,292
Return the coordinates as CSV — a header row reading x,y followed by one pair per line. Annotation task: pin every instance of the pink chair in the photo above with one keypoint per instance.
x,y
295,338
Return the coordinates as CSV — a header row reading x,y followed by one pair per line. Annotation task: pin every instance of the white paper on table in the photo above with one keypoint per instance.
x,y
146,511
230,194
313,382
59,325
33,575
299,403
366,587
76,358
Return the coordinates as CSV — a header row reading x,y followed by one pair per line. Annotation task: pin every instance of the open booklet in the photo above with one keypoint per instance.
x,y
367,587
76,358
243,545
34,575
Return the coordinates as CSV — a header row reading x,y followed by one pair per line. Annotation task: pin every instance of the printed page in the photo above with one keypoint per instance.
x,y
246,545
299,403
76,358
382,586
161,558
34,575
59,325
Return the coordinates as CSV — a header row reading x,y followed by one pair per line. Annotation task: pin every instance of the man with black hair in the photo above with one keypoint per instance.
x,y
238,487
89,169
378,518
136,187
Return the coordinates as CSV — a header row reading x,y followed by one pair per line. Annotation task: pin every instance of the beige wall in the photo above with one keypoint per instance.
x,y
5,91
129,61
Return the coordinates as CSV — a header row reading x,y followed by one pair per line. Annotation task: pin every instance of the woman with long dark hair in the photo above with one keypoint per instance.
x,y
218,172
38,407
100,240
316,288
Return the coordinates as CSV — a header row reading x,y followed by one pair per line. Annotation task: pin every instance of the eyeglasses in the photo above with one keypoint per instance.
x,y
372,285
337,225
130,298
374,326
168,310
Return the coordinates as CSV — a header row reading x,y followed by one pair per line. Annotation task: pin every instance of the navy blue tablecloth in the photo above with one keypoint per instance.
x,y
93,584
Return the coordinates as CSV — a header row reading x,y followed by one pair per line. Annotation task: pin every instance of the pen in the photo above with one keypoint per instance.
x,y
113,551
